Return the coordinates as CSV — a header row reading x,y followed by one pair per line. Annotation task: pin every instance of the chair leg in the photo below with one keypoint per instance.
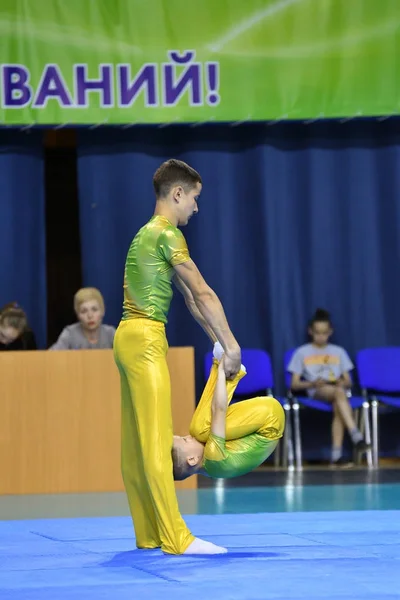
x,y
287,440
375,432
277,454
367,429
297,435
284,448
359,421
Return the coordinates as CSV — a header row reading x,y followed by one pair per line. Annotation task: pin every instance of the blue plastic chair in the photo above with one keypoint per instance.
x,y
260,379
297,400
379,374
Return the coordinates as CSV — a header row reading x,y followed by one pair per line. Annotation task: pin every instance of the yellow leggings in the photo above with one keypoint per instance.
x,y
262,415
140,348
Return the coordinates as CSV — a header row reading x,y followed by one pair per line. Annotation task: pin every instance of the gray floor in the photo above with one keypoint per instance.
x,y
51,506
263,490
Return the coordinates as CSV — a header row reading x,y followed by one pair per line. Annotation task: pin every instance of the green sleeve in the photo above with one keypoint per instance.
x,y
215,449
173,247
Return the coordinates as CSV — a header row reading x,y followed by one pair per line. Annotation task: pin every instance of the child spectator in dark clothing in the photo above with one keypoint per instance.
x,y
14,330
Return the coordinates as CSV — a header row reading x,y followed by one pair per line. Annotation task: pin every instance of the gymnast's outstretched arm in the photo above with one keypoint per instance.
x,y
191,305
219,403
212,311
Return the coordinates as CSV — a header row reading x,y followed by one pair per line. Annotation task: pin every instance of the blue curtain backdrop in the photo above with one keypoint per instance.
x,y
22,226
292,217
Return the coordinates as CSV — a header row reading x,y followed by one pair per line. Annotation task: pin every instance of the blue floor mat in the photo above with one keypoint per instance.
x,y
289,556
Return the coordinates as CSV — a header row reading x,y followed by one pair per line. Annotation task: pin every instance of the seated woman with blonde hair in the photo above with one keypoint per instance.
x,y
89,332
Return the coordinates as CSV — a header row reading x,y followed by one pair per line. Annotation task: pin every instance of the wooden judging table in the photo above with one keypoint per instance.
x,y
60,419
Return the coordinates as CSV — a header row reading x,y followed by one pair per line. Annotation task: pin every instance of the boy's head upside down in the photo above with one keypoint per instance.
x,y
187,457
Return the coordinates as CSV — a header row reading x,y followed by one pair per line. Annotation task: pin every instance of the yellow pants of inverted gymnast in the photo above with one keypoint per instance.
x,y
263,415
140,348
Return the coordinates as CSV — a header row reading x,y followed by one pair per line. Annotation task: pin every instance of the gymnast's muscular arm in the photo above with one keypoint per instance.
x,y
210,308
219,403
191,304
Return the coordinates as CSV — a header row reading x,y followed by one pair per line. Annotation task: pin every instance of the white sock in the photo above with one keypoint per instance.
x,y
218,353
199,546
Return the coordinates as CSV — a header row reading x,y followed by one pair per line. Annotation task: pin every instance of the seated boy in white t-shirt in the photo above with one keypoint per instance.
x,y
322,369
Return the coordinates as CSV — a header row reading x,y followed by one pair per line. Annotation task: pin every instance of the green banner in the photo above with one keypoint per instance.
x,y
166,61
